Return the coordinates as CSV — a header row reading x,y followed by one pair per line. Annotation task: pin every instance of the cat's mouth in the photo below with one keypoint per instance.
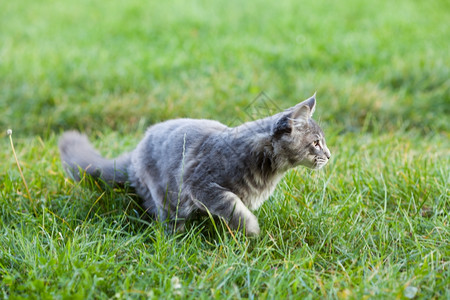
x,y
319,163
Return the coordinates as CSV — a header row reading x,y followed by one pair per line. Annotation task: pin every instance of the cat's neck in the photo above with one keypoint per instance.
x,y
260,126
252,141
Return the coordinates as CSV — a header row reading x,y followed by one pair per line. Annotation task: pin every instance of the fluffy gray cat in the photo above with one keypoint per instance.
x,y
185,166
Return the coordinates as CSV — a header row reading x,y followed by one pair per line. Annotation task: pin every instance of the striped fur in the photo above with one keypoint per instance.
x,y
184,167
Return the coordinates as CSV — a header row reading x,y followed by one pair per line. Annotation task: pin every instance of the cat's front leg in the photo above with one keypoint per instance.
x,y
242,217
230,207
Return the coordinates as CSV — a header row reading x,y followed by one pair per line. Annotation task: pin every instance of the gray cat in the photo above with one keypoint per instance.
x,y
185,166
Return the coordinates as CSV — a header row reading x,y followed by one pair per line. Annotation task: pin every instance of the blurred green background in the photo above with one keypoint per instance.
x,y
124,65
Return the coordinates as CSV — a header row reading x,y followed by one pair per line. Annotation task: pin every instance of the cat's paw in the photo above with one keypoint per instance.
x,y
252,227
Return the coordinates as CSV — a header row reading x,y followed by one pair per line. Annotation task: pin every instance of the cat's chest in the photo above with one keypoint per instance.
x,y
257,196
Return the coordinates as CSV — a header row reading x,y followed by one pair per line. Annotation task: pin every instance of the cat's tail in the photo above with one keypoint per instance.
x,y
78,156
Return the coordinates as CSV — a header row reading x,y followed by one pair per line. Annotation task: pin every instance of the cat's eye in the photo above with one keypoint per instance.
x,y
317,144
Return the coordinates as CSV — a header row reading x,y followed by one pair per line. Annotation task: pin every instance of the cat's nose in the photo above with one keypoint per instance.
x,y
328,154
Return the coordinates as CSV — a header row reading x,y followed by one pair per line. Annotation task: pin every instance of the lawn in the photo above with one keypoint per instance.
x,y
374,223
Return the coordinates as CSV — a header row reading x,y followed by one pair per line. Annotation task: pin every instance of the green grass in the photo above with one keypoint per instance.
x,y
373,224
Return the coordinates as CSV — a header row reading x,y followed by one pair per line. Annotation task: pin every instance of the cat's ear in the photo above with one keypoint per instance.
x,y
299,114
310,103
303,111
282,125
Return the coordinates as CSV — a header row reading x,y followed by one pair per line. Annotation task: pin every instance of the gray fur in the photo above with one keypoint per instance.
x,y
186,166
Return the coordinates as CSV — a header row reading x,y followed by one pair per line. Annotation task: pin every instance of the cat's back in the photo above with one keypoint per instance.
x,y
171,138
184,127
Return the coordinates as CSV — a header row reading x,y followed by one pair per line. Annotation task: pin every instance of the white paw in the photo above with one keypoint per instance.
x,y
252,227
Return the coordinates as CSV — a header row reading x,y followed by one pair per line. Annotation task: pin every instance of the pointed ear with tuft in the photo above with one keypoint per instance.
x,y
310,102
283,125
299,114
303,111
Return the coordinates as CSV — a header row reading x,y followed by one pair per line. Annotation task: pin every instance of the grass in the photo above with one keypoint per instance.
x,y
373,224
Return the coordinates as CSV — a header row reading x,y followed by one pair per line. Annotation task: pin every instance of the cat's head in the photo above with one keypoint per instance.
x,y
297,139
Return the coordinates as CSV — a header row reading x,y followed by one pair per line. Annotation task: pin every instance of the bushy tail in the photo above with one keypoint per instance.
x,y
77,154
